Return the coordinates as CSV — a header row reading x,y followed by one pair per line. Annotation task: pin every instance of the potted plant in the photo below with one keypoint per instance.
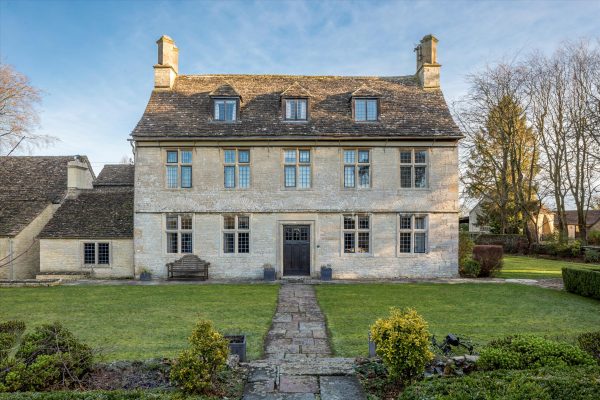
x,y
326,272
268,272
145,275
237,345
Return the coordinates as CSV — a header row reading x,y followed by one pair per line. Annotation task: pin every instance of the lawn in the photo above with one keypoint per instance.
x,y
477,311
140,322
536,268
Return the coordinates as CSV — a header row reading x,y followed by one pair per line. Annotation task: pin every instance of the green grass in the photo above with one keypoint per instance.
x,y
480,312
140,322
536,268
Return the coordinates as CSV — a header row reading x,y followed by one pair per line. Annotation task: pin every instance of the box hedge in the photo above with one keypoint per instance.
x,y
582,281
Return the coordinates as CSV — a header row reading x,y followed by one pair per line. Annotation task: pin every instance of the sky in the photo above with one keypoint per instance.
x,y
93,59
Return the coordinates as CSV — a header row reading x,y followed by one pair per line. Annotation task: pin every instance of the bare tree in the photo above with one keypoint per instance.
x,y
18,113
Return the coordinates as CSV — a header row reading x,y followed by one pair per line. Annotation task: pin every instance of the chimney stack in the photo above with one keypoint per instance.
x,y
428,69
78,176
167,68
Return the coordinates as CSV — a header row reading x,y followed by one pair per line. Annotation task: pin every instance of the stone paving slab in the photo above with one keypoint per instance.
x,y
341,388
298,384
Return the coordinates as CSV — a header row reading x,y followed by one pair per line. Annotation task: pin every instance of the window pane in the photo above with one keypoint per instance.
x,y
349,176
349,156
364,180
420,242
186,222
363,242
363,156
405,157
229,243
243,222
172,156
244,156
229,156
304,177
371,110
219,110
290,107
290,176
229,222
420,177
230,110
420,156
89,253
405,222
243,242
103,254
186,177
172,222
290,156
301,110
419,222
349,242
405,242
363,222
304,156
349,222
186,243
360,111
171,242
171,176
186,157
229,176
244,178
405,173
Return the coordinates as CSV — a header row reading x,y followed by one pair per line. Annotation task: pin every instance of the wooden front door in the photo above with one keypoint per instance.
x,y
296,249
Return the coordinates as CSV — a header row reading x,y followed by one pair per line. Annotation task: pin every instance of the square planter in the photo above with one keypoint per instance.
x,y
269,274
372,348
237,345
326,273
145,276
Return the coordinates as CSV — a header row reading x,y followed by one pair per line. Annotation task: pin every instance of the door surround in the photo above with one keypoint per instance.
x,y
312,242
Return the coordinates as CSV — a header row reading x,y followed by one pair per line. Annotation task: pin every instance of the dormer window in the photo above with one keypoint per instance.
x,y
366,110
225,109
295,109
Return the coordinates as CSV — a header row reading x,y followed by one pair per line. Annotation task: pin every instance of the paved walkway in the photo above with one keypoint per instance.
x,y
298,364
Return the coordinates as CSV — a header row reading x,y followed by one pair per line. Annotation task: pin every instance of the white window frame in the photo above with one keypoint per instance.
x,y
412,165
366,100
297,164
356,165
179,165
226,100
178,231
288,103
356,232
236,168
236,231
96,246
412,231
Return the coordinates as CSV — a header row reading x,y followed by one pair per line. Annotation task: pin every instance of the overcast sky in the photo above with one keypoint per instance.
x,y
93,59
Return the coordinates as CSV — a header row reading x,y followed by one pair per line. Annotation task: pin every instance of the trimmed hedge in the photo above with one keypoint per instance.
x,y
512,244
585,282
489,258
574,383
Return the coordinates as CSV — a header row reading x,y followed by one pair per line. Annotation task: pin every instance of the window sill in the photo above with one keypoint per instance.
x,y
96,266
361,255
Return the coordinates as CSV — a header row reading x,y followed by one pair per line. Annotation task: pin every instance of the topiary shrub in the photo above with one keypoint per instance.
x,y
402,341
470,269
591,256
195,370
489,258
529,352
585,282
590,343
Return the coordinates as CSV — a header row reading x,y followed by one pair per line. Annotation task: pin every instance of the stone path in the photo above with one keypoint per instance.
x,y
298,364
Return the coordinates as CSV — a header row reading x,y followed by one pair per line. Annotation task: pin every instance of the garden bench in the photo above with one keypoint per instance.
x,y
189,266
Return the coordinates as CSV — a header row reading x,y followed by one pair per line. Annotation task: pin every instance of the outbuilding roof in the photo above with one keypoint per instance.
x,y
116,175
406,109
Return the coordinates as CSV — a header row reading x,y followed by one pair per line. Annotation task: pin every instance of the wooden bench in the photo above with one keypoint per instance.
x,y
189,266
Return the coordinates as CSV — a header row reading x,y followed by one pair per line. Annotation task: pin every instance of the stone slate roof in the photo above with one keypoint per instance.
x,y
104,212
29,185
593,217
406,110
115,175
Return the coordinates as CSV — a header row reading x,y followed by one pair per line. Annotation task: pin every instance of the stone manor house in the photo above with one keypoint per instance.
x,y
293,171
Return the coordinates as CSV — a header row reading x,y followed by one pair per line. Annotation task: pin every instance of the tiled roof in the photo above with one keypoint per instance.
x,y
593,216
115,175
29,185
406,109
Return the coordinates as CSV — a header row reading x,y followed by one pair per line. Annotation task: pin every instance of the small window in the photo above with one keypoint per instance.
x,y
179,233
179,169
236,234
96,253
237,168
413,168
357,233
297,168
225,109
295,109
357,168
366,110
413,234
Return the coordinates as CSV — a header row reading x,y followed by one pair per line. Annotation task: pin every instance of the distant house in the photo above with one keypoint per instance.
x,y
592,222
474,225
92,234
543,221
33,188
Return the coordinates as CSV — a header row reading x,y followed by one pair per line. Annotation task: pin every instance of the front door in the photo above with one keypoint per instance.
x,y
296,249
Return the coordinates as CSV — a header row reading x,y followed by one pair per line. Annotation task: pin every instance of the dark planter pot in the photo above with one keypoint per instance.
x,y
372,349
145,276
237,345
269,274
326,274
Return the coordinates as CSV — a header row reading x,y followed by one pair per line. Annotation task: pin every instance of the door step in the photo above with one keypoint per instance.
x,y
296,279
